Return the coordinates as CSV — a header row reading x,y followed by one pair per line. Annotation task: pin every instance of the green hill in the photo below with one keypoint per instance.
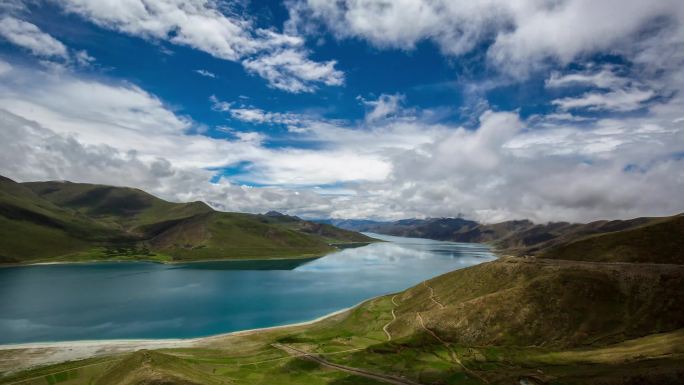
x,y
63,221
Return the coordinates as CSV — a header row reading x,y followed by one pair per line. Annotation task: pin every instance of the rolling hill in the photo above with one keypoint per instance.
x,y
64,221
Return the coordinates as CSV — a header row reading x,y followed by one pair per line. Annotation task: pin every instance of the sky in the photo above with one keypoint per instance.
x,y
552,110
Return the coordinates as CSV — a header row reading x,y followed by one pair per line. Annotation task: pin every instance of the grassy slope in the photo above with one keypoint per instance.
x,y
548,303
33,227
657,241
535,239
130,209
76,222
217,234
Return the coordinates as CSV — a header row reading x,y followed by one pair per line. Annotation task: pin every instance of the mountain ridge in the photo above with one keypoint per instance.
x,y
84,222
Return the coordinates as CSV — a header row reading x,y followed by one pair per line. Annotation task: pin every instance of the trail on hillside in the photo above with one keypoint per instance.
x,y
432,295
348,369
394,317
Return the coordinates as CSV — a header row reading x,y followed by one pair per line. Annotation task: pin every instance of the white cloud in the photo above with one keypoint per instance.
x,y
525,34
603,78
384,106
618,100
279,58
255,115
82,58
504,168
290,70
206,73
610,91
30,37
53,53
391,168
129,119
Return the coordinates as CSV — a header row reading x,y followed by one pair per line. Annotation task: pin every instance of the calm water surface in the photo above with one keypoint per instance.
x,y
147,300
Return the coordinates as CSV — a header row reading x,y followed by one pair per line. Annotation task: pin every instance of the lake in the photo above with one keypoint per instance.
x,y
113,300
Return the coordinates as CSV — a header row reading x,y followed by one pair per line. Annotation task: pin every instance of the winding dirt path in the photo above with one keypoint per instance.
x,y
389,379
432,295
394,317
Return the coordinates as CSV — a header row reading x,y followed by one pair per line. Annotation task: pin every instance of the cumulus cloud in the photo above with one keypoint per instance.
x,y
289,70
30,37
504,168
127,118
279,58
554,167
521,35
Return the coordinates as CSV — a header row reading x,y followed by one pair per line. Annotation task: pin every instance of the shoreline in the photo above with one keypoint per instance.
x,y
336,248
29,355
124,341
157,262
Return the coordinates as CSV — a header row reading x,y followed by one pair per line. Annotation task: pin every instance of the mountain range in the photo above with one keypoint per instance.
x,y
523,237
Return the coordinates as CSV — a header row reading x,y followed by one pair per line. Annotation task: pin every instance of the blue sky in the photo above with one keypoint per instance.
x,y
350,109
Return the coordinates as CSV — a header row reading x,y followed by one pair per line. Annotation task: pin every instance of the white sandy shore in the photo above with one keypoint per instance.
x,y
17,357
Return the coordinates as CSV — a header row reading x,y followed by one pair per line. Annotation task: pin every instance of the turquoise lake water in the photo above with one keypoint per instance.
x,y
147,300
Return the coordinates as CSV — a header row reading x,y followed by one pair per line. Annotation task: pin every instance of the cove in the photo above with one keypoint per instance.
x,y
124,300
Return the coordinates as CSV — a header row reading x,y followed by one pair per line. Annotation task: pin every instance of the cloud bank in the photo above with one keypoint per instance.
x,y
608,144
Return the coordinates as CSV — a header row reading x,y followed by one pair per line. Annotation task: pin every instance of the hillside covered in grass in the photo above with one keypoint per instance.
x,y
657,240
51,221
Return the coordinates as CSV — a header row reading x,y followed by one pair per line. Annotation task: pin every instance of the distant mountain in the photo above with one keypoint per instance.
x,y
46,221
517,237
352,224
432,228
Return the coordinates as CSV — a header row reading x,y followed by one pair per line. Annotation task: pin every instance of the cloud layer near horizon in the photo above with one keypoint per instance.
x,y
613,149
